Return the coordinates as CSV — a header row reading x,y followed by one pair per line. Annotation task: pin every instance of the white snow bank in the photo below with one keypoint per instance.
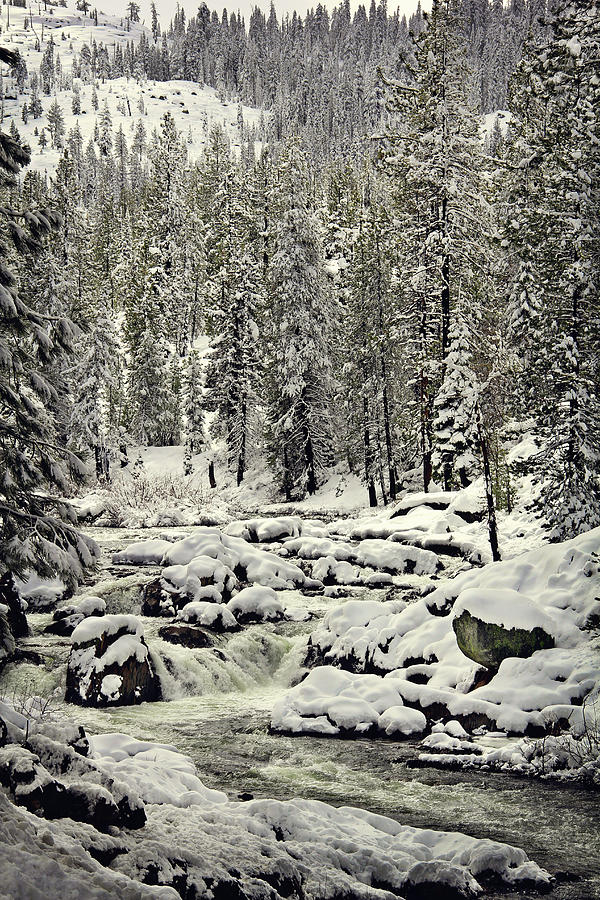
x,y
330,700
157,772
557,585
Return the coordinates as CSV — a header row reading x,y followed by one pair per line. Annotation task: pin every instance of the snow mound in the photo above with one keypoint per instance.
x,y
246,560
143,553
377,554
204,578
264,530
210,615
258,604
157,772
331,701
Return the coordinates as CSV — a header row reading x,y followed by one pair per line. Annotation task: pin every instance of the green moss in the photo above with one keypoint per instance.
x,y
488,644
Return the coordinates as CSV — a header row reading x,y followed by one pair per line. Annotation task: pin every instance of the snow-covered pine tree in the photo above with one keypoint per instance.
x,y
36,524
557,150
432,151
95,379
193,410
454,426
300,379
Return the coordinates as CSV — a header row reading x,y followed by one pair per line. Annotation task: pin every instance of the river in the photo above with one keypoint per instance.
x,y
218,713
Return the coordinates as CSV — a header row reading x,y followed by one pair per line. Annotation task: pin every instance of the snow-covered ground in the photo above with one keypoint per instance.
x,y
194,107
196,840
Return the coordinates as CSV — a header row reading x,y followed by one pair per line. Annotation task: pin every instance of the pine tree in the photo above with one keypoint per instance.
x,y
56,124
300,376
554,193
455,432
432,150
36,530
193,410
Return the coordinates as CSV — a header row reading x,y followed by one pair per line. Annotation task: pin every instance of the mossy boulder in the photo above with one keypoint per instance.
x,y
488,643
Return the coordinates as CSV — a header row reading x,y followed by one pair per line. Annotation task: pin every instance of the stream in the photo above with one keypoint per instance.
x,y
218,712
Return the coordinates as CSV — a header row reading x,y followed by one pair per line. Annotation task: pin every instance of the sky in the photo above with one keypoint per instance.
x,y
166,8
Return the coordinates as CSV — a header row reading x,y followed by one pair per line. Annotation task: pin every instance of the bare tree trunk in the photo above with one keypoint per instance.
x,y
489,488
368,455
211,474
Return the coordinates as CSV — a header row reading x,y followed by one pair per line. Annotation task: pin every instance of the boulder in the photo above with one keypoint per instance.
x,y
488,643
156,601
66,619
31,785
187,635
109,663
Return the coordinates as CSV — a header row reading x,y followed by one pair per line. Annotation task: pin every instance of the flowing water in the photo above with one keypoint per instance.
x,y
217,710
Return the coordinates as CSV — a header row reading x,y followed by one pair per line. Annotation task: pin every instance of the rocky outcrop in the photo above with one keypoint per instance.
x,y
110,664
187,635
488,643
66,619
32,785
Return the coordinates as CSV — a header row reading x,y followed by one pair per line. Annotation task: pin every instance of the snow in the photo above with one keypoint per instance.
x,y
143,553
207,614
157,772
557,586
259,602
189,103
40,592
330,700
259,566
375,553
94,627
308,842
204,578
265,529
507,608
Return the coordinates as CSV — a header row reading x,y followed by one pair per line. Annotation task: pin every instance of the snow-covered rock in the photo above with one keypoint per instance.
x,y
493,625
110,664
331,701
256,604
415,646
210,615
378,554
265,530
67,617
250,563
204,578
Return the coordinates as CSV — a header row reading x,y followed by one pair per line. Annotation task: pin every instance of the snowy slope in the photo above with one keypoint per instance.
x,y
194,107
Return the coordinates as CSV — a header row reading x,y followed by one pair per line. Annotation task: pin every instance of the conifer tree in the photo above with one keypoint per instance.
x,y
300,378
554,192
36,530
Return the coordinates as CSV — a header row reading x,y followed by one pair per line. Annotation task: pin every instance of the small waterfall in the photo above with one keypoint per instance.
x,y
246,660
